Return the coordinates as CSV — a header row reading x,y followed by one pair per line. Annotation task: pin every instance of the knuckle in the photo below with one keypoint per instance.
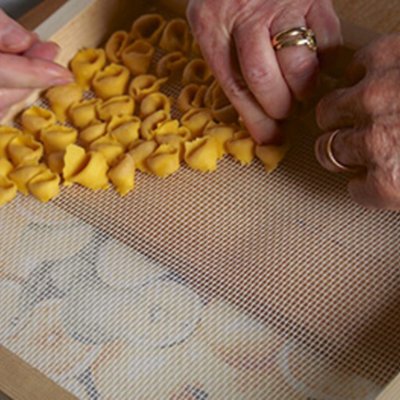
x,y
259,76
234,86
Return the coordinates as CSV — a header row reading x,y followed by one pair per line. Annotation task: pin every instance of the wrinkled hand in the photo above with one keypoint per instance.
x,y
368,116
260,82
26,63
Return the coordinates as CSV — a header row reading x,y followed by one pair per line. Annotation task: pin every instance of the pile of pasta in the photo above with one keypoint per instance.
x,y
127,125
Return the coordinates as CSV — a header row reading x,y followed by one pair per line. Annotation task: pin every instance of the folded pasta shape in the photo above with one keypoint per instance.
x,y
164,161
222,134
35,118
7,133
94,131
22,176
221,108
191,96
197,71
110,148
45,186
171,65
176,141
150,124
62,97
148,27
155,102
196,120
86,169
202,154
271,156
196,50
137,57
122,175
5,167
57,137
115,45
115,107
25,150
8,191
176,36
55,161
172,127
241,147
86,63
111,81
124,129
140,150
84,113
143,85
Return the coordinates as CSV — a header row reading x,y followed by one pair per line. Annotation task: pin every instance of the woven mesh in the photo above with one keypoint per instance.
x,y
230,285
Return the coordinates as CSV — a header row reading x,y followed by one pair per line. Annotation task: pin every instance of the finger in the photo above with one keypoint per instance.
x,y
9,97
261,71
347,149
24,72
13,37
43,50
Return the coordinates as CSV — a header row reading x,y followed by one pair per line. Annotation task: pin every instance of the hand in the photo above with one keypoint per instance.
x,y
259,81
368,118
26,63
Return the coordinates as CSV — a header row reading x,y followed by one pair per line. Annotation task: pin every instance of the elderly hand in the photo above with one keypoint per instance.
x,y
367,117
26,63
259,81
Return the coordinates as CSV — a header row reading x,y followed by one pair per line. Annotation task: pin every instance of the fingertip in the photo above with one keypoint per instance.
x,y
265,131
43,50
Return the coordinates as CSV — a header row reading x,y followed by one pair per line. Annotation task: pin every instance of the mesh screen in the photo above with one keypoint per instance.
x,y
230,285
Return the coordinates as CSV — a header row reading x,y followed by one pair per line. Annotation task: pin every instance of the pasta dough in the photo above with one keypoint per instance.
x,y
164,161
140,150
143,85
8,190
25,150
115,45
171,65
155,102
111,81
109,147
35,118
84,113
241,147
221,108
45,185
57,138
176,36
222,134
138,56
191,96
55,161
149,127
5,167
122,175
115,107
92,132
148,27
7,133
271,156
196,120
22,176
202,154
197,71
124,129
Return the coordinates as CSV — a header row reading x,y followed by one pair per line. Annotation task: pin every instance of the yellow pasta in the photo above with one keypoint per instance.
x,y
25,150
35,118
122,175
5,167
45,186
196,50
8,190
148,27
197,71
196,119
176,141
124,129
140,150
84,113
86,63
7,133
164,161
62,97
151,124
221,108
172,127
57,137
155,102
137,57
21,176
241,147
111,81
222,134
171,65
202,154
110,148
191,96
115,45
87,169
143,85
176,36
92,132
55,161
271,156
115,107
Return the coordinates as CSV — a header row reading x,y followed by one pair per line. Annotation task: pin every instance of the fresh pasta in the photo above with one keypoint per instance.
x,y
197,71
122,175
151,123
143,85
94,131
171,65
45,185
111,81
202,154
196,120
22,176
137,57
164,161
115,45
222,134
5,167
57,137
241,147
155,102
115,107
7,133
176,36
84,113
25,150
109,147
35,118
271,156
8,190
191,96
148,27
124,129
221,108
140,150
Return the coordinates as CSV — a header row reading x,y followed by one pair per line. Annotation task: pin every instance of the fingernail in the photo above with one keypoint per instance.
x,y
17,39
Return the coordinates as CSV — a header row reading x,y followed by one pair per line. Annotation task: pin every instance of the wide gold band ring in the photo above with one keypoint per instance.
x,y
331,157
301,36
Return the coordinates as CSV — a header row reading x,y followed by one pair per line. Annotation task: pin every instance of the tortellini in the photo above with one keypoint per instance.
x,y
241,147
143,85
34,119
25,150
109,147
86,63
137,57
111,81
202,154
176,36
8,190
164,161
92,132
115,45
57,137
222,134
271,156
122,175
140,150
55,161
115,107
148,27
84,113
7,133
22,176
191,96
150,124
124,129
45,185
174,140
5,167
155,102
196,120
171,65
197,71
221,108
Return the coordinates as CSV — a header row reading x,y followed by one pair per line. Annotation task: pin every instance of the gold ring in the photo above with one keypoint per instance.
x,y
301,36
329,152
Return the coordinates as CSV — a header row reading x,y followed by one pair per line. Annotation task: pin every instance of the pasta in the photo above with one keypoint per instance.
x,y
45,185
164,161
84,113
143,85
55,161
7,133
197,71
202,154
87,169
115,45
111,81
110,148
176,141
196,119
5,167
196,49
241,147
122,175
176,36
222,110
124,129
155,102
148,27
8,190
137,56
140,150
171,65
171,127
222,134
271,156
62,97
150,124
57,137
92,132
21,176
25,150
115,107
191,96
86,63
35,118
